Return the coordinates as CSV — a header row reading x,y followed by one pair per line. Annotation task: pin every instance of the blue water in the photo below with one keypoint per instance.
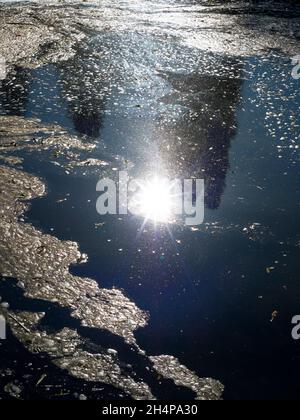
x,y
208,292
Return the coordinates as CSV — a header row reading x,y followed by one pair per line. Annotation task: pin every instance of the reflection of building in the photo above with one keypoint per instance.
x,y
197,145
83,88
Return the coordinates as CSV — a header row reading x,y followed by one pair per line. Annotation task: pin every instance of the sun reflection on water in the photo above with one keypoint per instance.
x,y
155,200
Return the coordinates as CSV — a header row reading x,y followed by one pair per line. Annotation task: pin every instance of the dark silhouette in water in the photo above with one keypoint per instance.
x,y
87,105
201,139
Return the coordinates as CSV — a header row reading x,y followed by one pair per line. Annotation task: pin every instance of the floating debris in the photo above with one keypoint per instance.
x,y
274,316
44,376
13,390
92,162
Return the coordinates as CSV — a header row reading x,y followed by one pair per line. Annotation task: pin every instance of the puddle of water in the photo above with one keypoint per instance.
x,y
232,121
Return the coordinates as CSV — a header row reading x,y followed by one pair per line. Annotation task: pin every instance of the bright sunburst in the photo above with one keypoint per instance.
x,y
154,201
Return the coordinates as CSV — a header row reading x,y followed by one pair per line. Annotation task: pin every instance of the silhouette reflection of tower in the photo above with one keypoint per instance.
x,y
83,87
199,142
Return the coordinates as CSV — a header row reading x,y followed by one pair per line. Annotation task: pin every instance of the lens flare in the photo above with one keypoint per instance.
x,y
154,201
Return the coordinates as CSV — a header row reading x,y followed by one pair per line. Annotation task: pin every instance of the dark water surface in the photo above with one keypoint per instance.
x,y
210,291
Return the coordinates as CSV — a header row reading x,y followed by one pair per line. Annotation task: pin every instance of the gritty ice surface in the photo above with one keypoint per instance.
x,y
18,133
44,32
170,367
31,36
65,349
